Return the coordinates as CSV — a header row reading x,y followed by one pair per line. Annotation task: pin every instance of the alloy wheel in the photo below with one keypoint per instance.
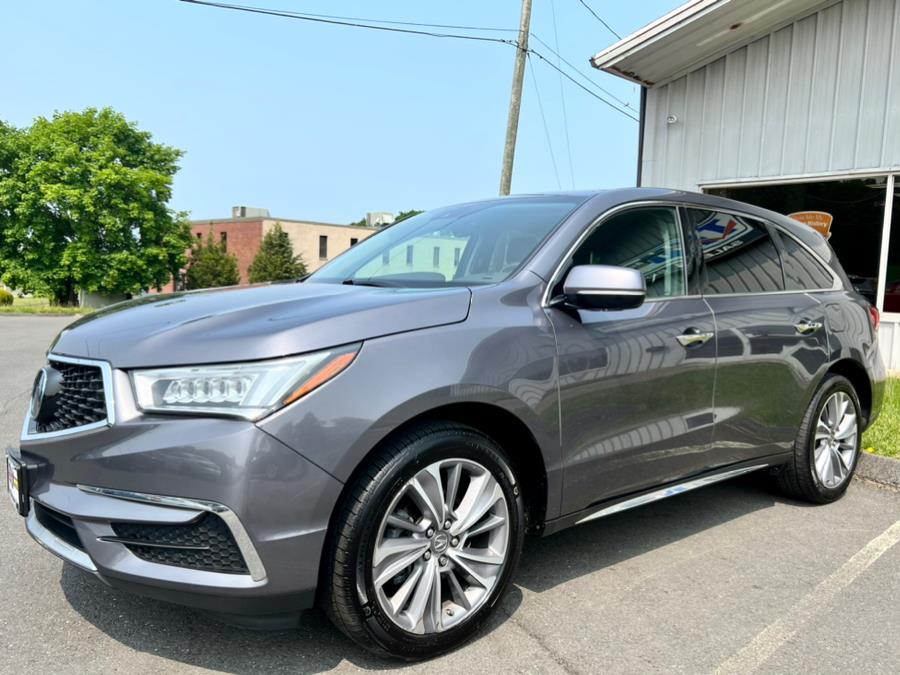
x,y
441,546
836,439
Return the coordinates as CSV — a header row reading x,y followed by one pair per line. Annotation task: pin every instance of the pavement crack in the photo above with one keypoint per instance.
x,y
558,658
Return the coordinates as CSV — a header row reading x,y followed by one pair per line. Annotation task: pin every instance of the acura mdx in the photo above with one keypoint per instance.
x,y
379,438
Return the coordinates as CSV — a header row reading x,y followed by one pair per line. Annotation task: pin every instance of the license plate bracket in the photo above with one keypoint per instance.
x,y
17,484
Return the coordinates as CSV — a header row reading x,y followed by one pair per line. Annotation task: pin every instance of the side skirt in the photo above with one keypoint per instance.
x,y
630,501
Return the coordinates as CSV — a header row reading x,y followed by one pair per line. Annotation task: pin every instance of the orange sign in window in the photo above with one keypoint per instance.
x,y
817,220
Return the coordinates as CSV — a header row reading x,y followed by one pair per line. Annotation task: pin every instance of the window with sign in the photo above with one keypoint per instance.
x,y
739,253
646,239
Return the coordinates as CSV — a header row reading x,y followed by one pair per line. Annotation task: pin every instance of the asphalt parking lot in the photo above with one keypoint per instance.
x,y
731,578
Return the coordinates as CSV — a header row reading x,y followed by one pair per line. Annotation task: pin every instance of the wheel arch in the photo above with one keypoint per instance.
x,y
504,427
859,378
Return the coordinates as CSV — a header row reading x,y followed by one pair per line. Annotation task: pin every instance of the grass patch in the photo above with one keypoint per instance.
x,y
40,306
883,438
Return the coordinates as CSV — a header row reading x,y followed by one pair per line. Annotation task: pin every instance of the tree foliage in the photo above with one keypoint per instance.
x,y
84,205
275,260
403,215
211,265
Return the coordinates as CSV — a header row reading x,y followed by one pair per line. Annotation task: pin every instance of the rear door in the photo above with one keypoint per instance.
x,y
636,386
771,335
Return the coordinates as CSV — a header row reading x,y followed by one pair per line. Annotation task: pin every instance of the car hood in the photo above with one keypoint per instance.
x,y
257,322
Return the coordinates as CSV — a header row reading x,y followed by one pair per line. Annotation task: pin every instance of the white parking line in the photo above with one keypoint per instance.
x,y
756,652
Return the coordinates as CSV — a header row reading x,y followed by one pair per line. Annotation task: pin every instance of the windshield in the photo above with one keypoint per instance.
x,y
464,245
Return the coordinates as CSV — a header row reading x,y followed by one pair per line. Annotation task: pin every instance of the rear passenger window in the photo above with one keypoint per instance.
x,y
739,253
802,272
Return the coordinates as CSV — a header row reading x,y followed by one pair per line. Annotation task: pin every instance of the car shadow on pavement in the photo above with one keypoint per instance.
x,y
189,637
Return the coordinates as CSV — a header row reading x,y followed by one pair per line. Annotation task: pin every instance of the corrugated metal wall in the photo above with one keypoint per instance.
x,y
821,95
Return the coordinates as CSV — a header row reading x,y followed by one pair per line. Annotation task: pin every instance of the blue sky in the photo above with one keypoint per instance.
x,y
320,122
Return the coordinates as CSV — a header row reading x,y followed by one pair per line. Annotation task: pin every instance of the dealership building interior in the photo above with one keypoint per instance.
x,y
791,106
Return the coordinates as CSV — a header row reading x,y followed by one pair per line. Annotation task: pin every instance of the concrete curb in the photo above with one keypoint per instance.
x,y
884,470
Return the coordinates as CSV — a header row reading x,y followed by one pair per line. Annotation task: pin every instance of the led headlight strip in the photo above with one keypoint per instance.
x,y
249,390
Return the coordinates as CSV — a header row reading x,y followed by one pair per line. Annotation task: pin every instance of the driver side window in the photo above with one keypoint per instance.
x,y
645,239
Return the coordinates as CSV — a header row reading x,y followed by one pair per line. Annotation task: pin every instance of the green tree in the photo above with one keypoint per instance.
x,y
275,260
403,215
84,205
211,265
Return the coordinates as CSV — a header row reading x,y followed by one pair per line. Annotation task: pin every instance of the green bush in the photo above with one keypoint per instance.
x,y
6,298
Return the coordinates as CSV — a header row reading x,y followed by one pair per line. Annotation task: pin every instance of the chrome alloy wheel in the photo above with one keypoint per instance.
x,y
441,546
835,442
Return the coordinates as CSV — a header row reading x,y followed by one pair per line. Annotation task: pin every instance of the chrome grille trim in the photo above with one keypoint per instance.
x,y
28,433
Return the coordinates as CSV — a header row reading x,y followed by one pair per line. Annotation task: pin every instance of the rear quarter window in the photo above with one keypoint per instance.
x,y
802,272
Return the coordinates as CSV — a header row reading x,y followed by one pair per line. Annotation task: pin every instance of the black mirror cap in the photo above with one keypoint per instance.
x,y
604,287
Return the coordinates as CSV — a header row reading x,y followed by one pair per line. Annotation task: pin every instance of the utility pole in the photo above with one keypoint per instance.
x,y
515,99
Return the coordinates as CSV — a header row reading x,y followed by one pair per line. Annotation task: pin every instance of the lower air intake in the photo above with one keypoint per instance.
x,y
204,544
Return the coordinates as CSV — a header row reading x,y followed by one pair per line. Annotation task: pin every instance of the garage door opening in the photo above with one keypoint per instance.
x,y
851,213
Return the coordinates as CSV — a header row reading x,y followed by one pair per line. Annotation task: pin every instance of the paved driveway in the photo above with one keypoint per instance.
x,y
731,577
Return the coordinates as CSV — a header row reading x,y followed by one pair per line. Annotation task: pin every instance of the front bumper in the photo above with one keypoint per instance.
x,y
172,471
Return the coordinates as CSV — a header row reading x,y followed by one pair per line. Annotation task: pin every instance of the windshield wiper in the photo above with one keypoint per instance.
x,y
366,282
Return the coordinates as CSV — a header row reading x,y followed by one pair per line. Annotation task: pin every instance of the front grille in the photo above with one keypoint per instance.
x,y
204,544
81,399
60,525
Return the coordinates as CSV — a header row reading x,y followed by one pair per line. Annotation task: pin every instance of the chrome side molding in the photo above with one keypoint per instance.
x,y
244,543
670,491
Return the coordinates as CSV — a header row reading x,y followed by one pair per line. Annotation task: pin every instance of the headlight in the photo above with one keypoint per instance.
x,y
249,390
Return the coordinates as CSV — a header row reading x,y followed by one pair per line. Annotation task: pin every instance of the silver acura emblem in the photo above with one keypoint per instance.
x,y
37,394
440,542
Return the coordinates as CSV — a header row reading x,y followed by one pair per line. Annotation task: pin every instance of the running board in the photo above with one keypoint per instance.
x,y
671,491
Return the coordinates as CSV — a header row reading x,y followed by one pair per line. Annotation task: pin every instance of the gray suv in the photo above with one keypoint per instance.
x,y
378,439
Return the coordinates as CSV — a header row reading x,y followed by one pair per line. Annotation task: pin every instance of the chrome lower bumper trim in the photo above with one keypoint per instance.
x,y
244,543
57,546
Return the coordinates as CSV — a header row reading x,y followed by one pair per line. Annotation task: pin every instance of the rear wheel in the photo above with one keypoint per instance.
x,y
426,542
826,450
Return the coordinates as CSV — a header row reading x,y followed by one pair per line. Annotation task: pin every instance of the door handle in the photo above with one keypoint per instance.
x,y
807,327
693,338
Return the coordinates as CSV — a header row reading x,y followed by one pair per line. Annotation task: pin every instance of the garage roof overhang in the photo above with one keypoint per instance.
x,y
694,34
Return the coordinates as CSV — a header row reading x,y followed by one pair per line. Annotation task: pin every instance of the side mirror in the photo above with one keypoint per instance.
x,y
604,287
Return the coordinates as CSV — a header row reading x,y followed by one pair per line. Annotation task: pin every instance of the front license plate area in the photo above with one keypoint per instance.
x,y
17,485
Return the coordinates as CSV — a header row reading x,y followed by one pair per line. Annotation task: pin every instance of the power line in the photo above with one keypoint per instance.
x,y
537,93
581,86
562,99
599,18
406,23
408,31
336,22
581,74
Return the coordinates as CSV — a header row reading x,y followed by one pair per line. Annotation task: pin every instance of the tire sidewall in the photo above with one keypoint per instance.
x,y
833,385
461,443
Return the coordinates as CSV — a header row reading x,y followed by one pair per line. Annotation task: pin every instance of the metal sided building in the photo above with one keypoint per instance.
x,y
793,105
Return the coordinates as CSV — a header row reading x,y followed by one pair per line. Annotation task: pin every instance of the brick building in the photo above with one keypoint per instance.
x,y
243,232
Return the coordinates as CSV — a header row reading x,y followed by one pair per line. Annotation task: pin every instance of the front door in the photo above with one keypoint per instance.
x,y
636,386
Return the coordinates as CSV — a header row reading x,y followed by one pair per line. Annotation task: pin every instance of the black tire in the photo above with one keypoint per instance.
x,y
798,478
348,552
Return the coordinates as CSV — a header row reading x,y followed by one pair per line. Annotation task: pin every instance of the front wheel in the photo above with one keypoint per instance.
x,y
826,450
426,542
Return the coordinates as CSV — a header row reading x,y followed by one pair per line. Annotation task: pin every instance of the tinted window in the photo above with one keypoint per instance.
x,y
645,239
739,253
801,270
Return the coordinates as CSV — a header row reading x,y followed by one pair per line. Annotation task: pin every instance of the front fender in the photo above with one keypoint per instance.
x,y
400,377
